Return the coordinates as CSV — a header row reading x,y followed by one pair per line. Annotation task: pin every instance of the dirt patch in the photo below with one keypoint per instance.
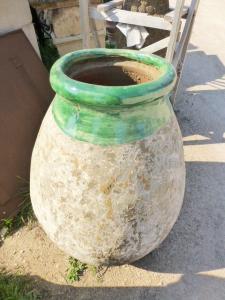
x,y
30,254
30,251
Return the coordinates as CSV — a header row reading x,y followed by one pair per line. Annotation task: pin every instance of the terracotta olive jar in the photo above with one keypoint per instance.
x,y
107,171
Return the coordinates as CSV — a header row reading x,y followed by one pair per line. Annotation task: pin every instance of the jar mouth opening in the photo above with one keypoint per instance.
x,y
112,71
111,77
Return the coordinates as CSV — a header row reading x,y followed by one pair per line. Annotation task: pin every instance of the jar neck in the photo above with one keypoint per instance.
x,y
105,114
112,126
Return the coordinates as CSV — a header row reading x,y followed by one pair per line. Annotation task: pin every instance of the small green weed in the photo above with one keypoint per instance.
x,y
25,215
15,287
75,270
8,224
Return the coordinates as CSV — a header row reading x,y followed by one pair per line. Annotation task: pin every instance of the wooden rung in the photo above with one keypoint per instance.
x,y
130,17
109,5
156,46
71,38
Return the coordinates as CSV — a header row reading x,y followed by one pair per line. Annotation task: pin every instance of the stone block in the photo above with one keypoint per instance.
x,y
66,22
65,47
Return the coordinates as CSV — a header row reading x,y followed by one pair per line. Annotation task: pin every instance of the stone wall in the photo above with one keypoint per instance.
x,y
67,31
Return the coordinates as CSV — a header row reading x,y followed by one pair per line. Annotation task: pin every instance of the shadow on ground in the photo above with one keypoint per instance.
x,y
203,287
202,68
200,103
197,241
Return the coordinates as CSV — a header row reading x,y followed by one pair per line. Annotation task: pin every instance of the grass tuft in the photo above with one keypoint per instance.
x,y
15,287
25,215
75,270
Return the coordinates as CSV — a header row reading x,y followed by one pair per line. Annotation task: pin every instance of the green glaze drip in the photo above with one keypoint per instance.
x,y
111,115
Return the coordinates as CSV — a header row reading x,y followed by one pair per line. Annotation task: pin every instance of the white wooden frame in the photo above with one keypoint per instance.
x,y
180,29
84,22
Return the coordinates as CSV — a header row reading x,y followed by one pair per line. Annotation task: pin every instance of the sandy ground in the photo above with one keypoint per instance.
x,y
190,263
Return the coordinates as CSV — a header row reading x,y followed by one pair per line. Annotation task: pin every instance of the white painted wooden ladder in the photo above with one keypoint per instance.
x,y
180,28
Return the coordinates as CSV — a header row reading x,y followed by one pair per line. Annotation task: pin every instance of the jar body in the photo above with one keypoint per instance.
x,y
107,204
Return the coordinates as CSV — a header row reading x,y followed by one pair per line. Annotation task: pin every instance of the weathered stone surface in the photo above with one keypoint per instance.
x,y
66,22
107,204
70,46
